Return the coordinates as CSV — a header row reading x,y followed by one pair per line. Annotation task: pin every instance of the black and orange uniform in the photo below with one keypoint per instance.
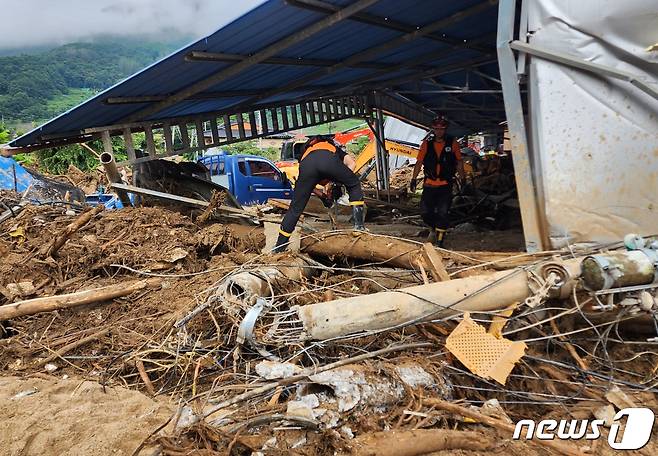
x,y
321,163
440,158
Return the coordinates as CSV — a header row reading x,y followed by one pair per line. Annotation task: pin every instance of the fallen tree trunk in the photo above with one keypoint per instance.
x,y
61,238
355,245
363,246
388,251
50,303
417,442
483,293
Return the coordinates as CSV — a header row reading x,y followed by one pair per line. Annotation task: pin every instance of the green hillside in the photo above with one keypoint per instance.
x,y
40,86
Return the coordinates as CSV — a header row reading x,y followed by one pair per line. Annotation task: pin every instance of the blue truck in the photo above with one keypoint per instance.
x,y
251,179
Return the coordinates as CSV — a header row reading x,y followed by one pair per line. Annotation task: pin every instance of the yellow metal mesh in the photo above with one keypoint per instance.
x,y
482,353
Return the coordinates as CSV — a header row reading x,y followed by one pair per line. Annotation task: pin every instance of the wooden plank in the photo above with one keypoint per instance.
x,y
435,263
227,128
214,130
275,119
161,195
130,146
336,110
200,138
361,103
253,126
184,136
312,109
169,141
348,104
284,117
241,134
295,119
263,122
177,198
304,115
150,143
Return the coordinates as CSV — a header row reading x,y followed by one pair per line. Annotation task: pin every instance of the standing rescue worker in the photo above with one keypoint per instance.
x,y
440,158
322,162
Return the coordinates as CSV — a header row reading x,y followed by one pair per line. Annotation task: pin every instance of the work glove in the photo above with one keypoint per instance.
x,y
412,185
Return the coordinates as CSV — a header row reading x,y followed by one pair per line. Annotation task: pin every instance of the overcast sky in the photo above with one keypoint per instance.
x,y
26,23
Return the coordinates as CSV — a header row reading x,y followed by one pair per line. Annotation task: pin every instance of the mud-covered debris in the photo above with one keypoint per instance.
x,y
275,369
354,386
415,376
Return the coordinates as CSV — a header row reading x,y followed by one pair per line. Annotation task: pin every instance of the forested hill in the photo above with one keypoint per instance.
x,y
40,86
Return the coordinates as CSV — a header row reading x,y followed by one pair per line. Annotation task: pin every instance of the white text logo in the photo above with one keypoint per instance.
x,y
639,423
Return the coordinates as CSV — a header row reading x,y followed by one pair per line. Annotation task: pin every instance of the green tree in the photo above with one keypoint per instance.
x,y
251,148
4,134
57,160
356,147
29,82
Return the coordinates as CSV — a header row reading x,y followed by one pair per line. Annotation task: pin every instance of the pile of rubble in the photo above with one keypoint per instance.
x,y
360,343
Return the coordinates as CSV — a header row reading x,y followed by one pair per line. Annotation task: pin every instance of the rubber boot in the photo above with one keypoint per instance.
x,y
440,236
281,244
358,214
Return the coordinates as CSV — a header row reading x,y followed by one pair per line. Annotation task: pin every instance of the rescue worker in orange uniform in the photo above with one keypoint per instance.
x,y
440,158
322,162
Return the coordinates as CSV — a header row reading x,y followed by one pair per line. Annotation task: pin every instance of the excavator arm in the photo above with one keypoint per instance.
x,y
393,148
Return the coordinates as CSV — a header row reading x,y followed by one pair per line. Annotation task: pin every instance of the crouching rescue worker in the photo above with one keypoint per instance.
x,y
440,158
322,162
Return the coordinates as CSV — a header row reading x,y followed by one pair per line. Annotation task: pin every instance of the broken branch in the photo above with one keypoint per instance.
x,y
50,303
60,239
563,448
418,442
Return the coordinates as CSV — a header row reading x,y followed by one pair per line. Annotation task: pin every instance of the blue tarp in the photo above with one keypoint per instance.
x,y
13,176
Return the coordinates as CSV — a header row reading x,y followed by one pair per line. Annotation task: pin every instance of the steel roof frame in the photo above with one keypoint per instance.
x,y
260,56
374,87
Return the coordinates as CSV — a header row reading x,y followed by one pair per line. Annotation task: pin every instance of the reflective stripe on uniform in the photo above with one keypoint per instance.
x,y
357,203
323,145
283,233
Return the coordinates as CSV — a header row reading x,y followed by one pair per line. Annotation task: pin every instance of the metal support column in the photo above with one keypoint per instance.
x,y
382,152
533,228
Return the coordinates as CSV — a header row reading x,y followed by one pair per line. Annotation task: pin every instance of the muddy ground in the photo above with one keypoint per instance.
x,y
103,378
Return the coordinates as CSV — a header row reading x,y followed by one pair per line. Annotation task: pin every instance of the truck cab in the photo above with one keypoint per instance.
x,y
251,179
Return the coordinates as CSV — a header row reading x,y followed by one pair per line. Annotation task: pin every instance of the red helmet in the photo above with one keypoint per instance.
x,y
440,121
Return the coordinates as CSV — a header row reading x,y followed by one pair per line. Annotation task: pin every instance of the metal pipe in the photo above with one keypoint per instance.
x,y
389,309
112,173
